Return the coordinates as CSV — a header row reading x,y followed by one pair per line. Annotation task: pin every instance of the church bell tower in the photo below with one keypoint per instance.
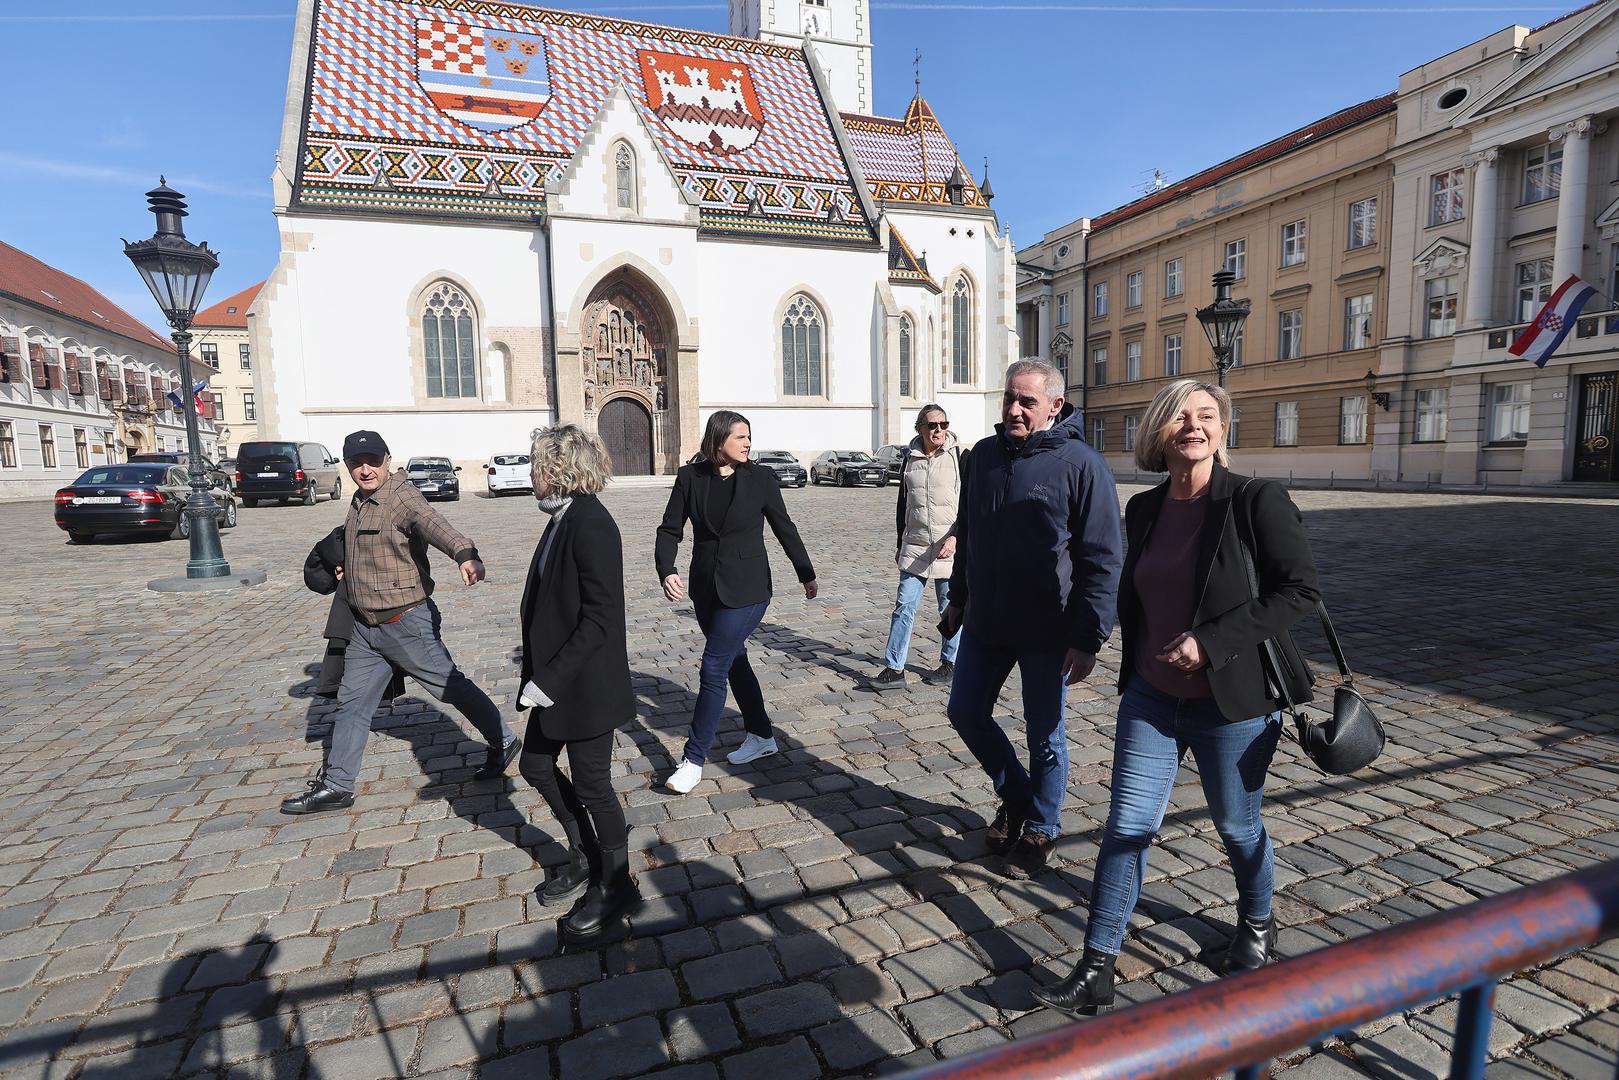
x,y
837,31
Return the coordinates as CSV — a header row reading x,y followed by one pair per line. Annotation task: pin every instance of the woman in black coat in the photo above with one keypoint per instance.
x,y
576,678
727,499
1193,675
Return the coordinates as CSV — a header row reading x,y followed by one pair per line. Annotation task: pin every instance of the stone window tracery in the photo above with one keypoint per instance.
x,y
449,336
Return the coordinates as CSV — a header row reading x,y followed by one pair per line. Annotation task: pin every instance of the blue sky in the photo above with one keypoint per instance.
x,y
1075,103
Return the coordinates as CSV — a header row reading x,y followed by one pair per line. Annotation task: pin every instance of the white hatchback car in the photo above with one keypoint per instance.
x,y
509,472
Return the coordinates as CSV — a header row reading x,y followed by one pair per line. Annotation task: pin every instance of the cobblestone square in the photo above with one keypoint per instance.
x,y
828,911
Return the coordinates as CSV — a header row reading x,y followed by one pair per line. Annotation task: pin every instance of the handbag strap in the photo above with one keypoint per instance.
x,y
1244,517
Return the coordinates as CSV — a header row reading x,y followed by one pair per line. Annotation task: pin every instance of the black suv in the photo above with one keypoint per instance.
x,y
301,471
893,459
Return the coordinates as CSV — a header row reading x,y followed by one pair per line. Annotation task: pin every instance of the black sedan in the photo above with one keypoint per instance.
x,y
847,468
786,467
133,499
434,477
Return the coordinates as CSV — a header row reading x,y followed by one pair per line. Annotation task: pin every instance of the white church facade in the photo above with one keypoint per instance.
x,y
497,217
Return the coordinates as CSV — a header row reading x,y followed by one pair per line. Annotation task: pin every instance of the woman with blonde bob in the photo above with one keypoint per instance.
x,y
1193,675
576,678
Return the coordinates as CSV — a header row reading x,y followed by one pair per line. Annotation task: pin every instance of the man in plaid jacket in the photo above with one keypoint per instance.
x,y
396,623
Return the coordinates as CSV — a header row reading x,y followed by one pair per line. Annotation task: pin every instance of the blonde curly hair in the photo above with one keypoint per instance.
x,y
570,460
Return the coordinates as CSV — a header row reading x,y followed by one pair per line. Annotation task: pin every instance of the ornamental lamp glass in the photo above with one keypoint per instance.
x,y
175,270
1223,319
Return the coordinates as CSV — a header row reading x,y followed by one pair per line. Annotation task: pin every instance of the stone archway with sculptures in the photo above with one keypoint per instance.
x,y
625,345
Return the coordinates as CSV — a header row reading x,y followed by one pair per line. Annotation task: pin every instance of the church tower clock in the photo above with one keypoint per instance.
x,y
837,31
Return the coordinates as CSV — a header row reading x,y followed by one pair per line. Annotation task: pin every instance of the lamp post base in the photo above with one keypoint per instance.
x,y
238,579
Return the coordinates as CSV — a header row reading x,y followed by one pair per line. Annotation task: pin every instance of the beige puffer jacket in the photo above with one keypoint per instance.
x,y
929,494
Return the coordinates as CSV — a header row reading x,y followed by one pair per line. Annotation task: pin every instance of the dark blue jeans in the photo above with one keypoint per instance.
x,y
725,658
981,671
1154,732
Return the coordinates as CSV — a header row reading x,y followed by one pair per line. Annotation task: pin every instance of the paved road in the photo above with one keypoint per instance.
x,y
827,911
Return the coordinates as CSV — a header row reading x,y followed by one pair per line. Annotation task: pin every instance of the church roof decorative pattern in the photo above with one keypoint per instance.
x,y
908,160
904,268
469,107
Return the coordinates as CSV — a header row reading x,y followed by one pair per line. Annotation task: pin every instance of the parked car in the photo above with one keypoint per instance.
x,y
846,468
788,470
215,469
227,465
434,477
892,458
287,470
508,472
139,497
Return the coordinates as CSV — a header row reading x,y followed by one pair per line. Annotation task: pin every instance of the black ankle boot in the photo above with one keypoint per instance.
x,y
1252,945
568,883
603,907
1087,990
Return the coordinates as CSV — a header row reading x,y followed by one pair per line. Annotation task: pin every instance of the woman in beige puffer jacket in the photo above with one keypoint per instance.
x,y
929,497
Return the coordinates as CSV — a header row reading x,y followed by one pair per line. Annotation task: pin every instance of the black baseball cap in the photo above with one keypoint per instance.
x,y
364,442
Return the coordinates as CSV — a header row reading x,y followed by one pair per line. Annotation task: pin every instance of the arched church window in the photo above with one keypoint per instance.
x,y
448,337
961,332
905,356
624,174
801,357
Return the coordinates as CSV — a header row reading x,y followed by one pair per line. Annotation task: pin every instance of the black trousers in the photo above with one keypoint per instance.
x,y
585,804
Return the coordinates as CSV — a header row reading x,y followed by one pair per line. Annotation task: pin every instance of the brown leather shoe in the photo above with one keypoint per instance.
x,y
1027,858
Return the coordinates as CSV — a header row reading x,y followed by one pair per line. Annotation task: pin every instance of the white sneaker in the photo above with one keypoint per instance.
x,y
752,747
683,779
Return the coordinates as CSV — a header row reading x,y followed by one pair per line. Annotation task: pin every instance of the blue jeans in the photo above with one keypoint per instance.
x,y
725,658
981,671
1154,731
906,600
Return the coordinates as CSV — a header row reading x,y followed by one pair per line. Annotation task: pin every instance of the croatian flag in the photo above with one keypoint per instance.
x,y
1541,337
196,399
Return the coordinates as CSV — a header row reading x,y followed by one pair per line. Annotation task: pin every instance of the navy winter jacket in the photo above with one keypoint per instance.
x,y
1039,547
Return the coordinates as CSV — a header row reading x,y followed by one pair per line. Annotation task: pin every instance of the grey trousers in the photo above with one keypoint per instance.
x,y
413,646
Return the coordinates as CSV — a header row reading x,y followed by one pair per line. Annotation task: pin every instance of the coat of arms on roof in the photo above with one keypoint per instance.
x,y
710,104
492,80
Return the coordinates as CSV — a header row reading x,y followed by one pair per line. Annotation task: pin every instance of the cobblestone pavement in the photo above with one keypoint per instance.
x,y
827,911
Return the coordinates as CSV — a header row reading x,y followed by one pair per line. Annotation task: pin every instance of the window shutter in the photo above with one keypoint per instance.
x,y
74,385
36,357
116,380
10,359
103,381
207,404
53,368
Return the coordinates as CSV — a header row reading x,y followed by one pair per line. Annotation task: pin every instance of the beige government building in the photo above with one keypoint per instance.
x,y
221,342
1390,252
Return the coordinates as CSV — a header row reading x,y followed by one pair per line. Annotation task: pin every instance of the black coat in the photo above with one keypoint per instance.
x,y
573,626
320,574
728,562
1229,623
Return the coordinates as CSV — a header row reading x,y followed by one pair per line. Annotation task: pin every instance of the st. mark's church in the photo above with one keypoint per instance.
x,y
496,217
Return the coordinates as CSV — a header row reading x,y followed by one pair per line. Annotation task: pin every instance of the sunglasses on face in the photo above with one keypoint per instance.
x,y
935,425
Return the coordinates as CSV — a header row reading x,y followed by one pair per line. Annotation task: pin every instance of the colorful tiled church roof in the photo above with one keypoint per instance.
x,y
904,268
910,160
229,313
468,107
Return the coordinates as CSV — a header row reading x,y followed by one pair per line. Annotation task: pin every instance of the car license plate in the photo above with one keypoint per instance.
x,y
267,474
429,487
99,499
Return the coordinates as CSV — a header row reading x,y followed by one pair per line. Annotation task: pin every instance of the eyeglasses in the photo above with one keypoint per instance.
x,y
935,425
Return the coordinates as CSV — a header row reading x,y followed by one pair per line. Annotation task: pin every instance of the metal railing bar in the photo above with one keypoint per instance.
x,y
1264,1014
1472,1046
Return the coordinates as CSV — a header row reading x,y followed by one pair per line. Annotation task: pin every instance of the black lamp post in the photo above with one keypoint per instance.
x,y
1222,320
177,272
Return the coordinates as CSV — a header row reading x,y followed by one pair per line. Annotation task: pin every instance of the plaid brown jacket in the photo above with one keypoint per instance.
x,y
385,550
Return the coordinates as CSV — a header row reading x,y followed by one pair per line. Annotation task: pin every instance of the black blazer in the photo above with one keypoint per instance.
x,y
325,558
573,626
1229,624
728,562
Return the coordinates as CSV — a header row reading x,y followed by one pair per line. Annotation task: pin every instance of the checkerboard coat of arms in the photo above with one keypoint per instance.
x,y
492,80
711,104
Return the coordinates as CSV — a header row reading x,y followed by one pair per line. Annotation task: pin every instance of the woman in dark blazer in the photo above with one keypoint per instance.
x,y
727,500
576,678
1193,675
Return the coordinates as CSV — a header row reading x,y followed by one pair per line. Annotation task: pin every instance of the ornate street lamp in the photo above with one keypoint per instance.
x,y
177,272
1381,400
1222,320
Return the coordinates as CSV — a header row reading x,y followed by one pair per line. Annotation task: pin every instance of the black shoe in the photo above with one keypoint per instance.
x,y
568,883
318,798
941,675
1252,945
496,762
1007,826
1028,857
603,908
887,679
1088,989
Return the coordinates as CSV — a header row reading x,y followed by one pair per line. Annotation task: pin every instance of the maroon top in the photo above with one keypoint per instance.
x,y
1165,577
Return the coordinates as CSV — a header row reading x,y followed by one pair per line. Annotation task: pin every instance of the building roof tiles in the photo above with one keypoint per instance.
x,y
229,313
41,285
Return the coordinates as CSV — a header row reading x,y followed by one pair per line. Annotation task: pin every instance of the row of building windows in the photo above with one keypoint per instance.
x,y
47,446
1508,419
209,352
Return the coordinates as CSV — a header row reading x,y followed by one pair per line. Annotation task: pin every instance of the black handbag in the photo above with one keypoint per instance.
x,y
1354,737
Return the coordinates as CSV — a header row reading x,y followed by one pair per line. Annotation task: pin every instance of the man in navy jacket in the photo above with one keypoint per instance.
x,y
1036,584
